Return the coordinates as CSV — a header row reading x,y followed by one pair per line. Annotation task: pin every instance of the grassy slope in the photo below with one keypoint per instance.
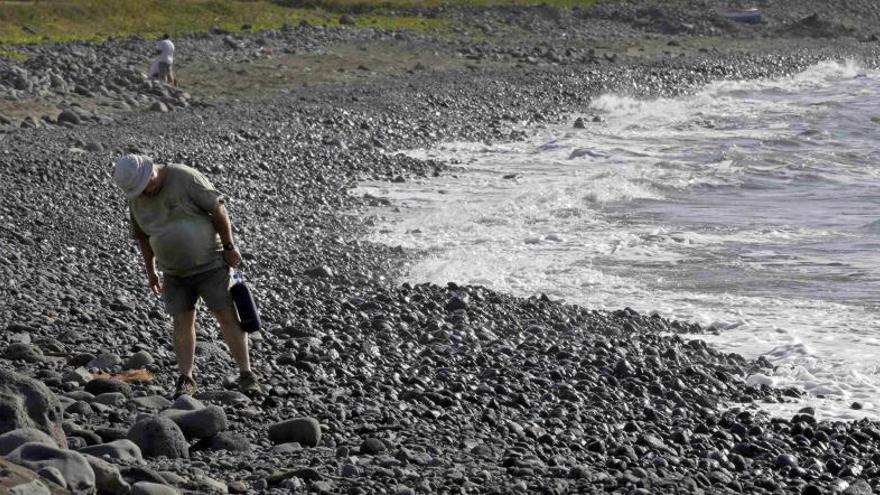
x,y
369,5
36,21
65,20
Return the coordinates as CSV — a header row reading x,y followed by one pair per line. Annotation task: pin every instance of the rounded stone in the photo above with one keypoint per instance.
x,y
123,449
201,423
27,403
105,361
187,403
108,479
158,436
373,446
786,460
306,431
19,351
74,467
11,440
138,360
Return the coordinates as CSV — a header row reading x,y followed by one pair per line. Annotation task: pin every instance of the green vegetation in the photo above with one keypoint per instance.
x,y
66,20
13,55
373,5
35,21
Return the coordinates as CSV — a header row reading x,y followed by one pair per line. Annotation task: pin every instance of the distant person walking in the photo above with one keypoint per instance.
x,y
163,67
179,220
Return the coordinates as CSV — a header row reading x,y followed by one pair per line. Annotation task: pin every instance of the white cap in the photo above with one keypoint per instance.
x,y
132,174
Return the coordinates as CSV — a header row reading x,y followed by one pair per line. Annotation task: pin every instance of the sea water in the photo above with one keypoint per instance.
x,y
750,207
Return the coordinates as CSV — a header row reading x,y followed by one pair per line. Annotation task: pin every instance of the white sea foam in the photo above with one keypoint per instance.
x,y
749,207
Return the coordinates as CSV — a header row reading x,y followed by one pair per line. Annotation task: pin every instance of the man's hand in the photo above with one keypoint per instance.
x,y
232,257
153,282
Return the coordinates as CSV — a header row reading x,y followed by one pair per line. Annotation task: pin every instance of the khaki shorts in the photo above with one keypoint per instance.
x,y
182,293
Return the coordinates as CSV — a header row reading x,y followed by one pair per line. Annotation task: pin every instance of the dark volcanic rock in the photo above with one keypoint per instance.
x,y
67,116
201,423
98,386
27,403
373,446
306,431
159,436
24,352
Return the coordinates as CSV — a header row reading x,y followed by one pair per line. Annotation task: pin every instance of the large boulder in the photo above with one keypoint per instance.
x,y
27,403
201,423
159,436
12,440
306,431
73,466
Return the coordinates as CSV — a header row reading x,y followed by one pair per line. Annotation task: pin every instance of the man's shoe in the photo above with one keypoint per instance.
x,y
185,386
249,384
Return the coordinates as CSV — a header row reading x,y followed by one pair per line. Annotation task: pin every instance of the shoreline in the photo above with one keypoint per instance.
x,y
420,388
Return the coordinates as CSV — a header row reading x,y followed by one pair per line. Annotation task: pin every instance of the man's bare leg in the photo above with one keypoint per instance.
x,y
185,341
234,337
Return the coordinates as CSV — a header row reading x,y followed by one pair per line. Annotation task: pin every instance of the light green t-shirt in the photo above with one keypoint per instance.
x,y
177,220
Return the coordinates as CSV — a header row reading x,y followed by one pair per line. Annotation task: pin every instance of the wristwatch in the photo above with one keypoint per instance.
x,y
228,246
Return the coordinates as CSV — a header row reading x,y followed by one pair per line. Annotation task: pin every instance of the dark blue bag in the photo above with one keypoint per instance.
x,y
245,306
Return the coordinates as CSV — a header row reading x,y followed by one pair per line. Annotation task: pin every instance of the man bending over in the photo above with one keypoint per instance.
x,y
180,222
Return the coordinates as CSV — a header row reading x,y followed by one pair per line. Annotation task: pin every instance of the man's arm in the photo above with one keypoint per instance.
x,y
223,226
149,260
